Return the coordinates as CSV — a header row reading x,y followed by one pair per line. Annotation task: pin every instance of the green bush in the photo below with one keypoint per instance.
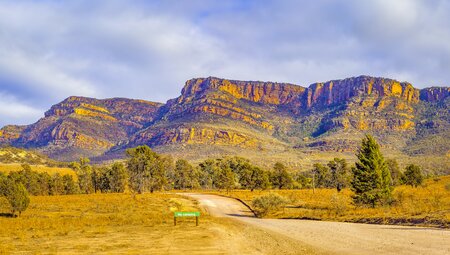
x,y
17,196
267,204
413,176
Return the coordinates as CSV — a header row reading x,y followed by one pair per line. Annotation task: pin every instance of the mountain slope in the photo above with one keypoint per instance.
x,y
265,121
81,126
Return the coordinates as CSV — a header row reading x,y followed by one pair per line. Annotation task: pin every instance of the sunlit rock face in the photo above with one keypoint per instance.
x,y
340,91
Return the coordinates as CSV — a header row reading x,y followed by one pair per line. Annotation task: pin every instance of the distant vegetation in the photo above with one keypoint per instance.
x,y
372,179
10,155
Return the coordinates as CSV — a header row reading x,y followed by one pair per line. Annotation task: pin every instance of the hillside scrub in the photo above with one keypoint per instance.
x,y
42,183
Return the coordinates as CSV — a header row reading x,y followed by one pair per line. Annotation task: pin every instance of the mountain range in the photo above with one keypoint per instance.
x,y
264,121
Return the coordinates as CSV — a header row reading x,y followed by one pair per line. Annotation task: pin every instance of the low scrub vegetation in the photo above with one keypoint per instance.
x,y
266,204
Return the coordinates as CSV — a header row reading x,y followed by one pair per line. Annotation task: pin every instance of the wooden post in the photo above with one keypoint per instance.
x,y
185,214
314,181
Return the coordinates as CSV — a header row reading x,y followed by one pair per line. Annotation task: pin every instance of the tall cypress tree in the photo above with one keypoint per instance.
x,y
371,178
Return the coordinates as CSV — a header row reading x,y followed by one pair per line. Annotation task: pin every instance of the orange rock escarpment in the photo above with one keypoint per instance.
x,y
259,92
340,91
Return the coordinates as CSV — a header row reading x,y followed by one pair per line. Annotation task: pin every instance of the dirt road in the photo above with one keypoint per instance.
x,y
337,237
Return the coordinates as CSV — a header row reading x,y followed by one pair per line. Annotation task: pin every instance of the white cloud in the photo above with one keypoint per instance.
x,y
42,77
51,50
16,112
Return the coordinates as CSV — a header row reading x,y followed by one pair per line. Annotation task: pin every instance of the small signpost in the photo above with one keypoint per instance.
x,y
185,214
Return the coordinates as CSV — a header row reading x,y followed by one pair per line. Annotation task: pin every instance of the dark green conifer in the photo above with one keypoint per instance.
x,y
371,178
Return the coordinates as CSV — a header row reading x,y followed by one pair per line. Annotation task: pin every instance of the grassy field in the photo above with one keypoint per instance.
x,y
119,224
98,223
426,205
6,168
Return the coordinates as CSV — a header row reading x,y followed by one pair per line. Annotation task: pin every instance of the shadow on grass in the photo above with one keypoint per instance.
x,y
7,215
307,207
240,215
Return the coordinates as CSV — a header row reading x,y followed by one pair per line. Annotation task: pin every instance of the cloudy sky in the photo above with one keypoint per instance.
x,y
50,50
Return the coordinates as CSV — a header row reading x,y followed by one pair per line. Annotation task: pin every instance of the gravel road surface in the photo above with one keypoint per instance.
x,y
337,237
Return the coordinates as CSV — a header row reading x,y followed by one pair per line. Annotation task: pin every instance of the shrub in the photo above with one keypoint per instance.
x,y
17,197
267,204
338,204
413,175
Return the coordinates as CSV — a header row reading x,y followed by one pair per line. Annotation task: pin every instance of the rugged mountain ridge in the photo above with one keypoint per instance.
x,y
226,115
80,126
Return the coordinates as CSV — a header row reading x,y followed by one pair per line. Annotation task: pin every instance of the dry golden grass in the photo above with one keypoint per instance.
x,y
94,223
425,205
119,224
6,168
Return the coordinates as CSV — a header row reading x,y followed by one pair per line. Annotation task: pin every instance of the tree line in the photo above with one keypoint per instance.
x,y
372,178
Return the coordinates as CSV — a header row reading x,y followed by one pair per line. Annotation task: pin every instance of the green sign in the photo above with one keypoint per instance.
x,y
187,214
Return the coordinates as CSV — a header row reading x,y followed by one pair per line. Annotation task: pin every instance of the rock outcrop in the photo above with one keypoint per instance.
x,y
434,94
341,91
259,92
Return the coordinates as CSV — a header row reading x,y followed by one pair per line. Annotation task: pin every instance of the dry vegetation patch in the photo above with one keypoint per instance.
x,y
6,168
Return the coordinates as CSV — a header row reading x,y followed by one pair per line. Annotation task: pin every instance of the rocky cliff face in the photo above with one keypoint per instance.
x,y
434,94
233,99
341,91
245,114
10,133
258,92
